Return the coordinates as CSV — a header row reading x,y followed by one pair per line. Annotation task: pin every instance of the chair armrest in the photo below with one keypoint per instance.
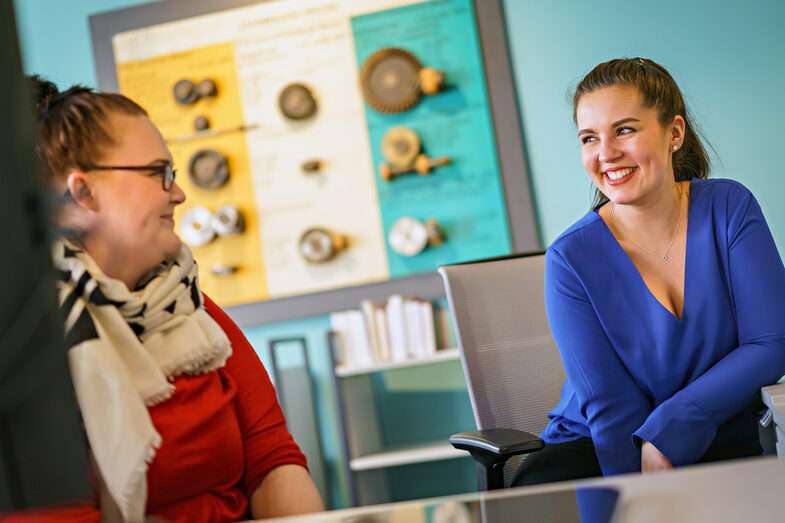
x,y
499,442
491,448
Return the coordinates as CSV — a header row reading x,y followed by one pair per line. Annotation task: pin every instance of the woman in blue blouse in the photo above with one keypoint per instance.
x,y
667,301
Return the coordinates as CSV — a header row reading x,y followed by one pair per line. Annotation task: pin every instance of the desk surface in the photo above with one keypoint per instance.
x,y
746,490
774,398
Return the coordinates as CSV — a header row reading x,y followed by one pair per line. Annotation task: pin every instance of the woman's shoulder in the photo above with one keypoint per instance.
x,y
223,320
719,190
213,309
580,234
727,202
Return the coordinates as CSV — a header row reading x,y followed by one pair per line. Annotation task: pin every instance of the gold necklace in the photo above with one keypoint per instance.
x,y
664,256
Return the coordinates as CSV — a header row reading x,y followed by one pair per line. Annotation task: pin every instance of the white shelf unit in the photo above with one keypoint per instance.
x,y
367,456
407,456
343,371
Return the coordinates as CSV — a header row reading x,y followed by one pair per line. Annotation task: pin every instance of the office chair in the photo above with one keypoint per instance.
x,y
512,367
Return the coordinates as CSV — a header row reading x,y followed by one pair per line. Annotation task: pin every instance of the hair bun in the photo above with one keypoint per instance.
x,y
42,90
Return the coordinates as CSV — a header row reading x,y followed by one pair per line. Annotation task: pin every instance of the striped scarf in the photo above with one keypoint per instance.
x,y
124,349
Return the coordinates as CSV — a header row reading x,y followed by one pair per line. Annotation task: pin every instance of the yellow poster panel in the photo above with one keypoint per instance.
x,y
150,83
243,251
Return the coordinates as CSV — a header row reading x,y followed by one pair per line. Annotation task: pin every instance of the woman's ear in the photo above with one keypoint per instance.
x,y
678,128
78,209
80,187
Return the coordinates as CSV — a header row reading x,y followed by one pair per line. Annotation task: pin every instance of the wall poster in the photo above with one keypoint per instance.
x,y
323,144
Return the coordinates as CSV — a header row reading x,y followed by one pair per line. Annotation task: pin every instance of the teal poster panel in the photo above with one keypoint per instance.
x,y
465,197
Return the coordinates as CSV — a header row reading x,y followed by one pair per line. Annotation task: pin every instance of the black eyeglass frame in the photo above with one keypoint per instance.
x,y
167,173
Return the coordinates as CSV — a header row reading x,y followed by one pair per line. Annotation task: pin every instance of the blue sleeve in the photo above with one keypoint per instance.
x,y
685,425
609,398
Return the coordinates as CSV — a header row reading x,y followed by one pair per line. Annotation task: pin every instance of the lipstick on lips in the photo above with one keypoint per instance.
x,y
620,175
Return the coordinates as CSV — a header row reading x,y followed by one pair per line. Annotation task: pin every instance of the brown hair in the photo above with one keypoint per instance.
x,y
72,126
660,92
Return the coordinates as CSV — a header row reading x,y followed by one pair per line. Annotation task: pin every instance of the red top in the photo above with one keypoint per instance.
x,y
222,433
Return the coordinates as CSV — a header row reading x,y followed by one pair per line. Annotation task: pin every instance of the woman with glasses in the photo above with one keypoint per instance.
x,y
181,418
666,301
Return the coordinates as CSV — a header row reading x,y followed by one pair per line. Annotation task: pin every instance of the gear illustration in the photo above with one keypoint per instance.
x,y
297,102
400,146
196,228
319,245
408,236
390,80
185,92
208,169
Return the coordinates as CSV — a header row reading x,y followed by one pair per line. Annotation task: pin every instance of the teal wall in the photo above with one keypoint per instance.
x,y
55,37
289,356
727,56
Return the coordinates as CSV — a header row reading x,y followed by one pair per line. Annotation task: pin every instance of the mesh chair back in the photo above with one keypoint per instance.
x,y
512,367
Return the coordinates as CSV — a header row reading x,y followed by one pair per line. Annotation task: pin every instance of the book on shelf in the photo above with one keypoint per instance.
x,y
338,328
380,317
397,328
445,332
351,336
402,329
414,331
369,318
429,327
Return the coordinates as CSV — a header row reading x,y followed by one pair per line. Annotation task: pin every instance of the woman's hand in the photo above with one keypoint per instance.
x,y
652,460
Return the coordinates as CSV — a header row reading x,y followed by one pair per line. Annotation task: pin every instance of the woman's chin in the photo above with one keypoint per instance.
x,y
175,246
171,246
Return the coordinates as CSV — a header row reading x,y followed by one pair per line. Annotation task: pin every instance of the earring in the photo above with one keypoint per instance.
x,y
675,148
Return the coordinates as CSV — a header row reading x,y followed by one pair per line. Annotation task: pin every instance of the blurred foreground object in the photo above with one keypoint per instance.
x,y
42,451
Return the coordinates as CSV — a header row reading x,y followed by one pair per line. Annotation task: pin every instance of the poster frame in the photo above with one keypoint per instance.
x,y
506,121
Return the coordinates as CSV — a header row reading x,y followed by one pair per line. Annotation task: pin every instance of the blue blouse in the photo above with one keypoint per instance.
x,y
635,371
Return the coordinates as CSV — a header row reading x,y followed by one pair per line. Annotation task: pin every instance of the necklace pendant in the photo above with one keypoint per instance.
x,y
664,258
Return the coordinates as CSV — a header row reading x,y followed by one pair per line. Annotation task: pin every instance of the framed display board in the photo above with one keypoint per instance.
x,y
330,150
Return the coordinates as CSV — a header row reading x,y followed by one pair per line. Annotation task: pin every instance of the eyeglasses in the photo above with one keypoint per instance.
x,y
165,171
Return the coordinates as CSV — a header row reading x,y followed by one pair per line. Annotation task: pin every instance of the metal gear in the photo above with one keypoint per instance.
x,y
319,245
400,146
185,92
408,236
390,80
207,88
201,123
228,220
208,169
297,102
196,226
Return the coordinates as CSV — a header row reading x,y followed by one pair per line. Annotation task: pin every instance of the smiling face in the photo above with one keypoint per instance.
x,y
133,224
626,150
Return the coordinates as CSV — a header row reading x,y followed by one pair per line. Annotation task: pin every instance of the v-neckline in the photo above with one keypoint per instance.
x,y
632,266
